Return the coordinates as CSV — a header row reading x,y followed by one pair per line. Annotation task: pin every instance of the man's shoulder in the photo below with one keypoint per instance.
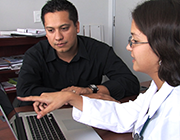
x,y
89,42
90,39
41,46
41,50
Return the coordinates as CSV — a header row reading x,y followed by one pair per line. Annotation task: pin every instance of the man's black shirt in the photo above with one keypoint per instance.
x,y
42,70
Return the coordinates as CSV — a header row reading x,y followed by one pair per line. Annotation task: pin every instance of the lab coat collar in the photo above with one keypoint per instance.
x,y
155,99
159,97
142,115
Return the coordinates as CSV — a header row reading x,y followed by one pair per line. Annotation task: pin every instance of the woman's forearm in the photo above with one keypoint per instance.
x,y
76,101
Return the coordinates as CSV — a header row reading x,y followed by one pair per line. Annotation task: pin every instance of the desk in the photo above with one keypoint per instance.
x,y
6,134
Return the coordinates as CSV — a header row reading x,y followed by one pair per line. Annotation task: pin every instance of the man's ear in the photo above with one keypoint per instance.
x,y
77,27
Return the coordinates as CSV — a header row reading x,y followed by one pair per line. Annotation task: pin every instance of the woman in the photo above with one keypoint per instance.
x,y
155,48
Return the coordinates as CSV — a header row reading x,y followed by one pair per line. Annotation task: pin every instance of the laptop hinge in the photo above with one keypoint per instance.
x,y
20,128
2,118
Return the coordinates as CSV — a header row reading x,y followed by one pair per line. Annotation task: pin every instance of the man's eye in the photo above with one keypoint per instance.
x,y
50,30
65,28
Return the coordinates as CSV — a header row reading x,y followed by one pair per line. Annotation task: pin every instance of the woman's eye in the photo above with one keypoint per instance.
x,y
134,41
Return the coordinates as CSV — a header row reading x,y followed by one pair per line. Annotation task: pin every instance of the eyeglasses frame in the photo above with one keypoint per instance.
x,y
131,43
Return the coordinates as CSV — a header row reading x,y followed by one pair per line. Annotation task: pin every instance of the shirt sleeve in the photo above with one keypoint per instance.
x,y
121,81
109,115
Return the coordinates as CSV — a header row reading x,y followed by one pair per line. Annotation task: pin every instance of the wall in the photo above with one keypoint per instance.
x,y
19,14
122,33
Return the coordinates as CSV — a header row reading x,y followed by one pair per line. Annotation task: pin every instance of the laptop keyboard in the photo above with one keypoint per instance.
x,y
45,128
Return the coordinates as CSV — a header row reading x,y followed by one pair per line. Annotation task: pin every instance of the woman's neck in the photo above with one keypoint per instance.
x,y
158,82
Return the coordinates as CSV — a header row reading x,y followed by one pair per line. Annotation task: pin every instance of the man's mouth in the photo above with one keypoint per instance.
x,y
60,44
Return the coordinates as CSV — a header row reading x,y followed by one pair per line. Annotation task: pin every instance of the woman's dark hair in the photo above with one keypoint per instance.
x,y
159,20
60,5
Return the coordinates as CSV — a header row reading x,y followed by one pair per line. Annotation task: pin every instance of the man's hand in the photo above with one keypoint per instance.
x,y
78,90
88,92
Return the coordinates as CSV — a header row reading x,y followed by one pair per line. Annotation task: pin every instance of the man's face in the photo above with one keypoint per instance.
x,y
61,31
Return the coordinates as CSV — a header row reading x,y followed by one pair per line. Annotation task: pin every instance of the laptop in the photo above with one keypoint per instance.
x,y
56,125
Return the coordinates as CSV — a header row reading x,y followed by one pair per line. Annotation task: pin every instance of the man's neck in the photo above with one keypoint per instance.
x,y
68,56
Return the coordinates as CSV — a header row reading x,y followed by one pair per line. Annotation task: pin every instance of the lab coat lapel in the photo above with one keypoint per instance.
x,y
155,99
143,113
159,98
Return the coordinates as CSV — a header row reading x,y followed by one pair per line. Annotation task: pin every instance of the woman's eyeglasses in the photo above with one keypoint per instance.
x,y
131,43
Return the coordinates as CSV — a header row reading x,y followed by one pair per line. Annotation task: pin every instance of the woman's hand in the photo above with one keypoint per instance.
x,y
47,102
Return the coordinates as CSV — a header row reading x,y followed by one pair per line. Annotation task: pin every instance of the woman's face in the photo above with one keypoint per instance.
x,y
144,59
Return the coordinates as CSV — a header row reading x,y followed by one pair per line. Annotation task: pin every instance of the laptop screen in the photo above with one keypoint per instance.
x,y
6,119
4,101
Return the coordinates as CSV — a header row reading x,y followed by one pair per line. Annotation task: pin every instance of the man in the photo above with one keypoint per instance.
x,y
69,62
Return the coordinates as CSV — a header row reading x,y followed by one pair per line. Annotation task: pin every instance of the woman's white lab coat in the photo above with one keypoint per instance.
x,y
163,107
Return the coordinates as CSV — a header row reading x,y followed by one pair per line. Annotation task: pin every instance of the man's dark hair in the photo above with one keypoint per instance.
x,y
60,5
159,20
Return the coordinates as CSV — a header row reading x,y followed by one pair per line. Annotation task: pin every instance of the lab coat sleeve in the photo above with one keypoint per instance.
x,y
109,115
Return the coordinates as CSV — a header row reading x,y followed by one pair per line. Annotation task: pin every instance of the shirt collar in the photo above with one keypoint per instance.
x,y
82,52
51,54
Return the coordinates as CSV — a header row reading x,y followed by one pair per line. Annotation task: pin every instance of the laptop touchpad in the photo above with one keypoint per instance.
x,y
71,124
